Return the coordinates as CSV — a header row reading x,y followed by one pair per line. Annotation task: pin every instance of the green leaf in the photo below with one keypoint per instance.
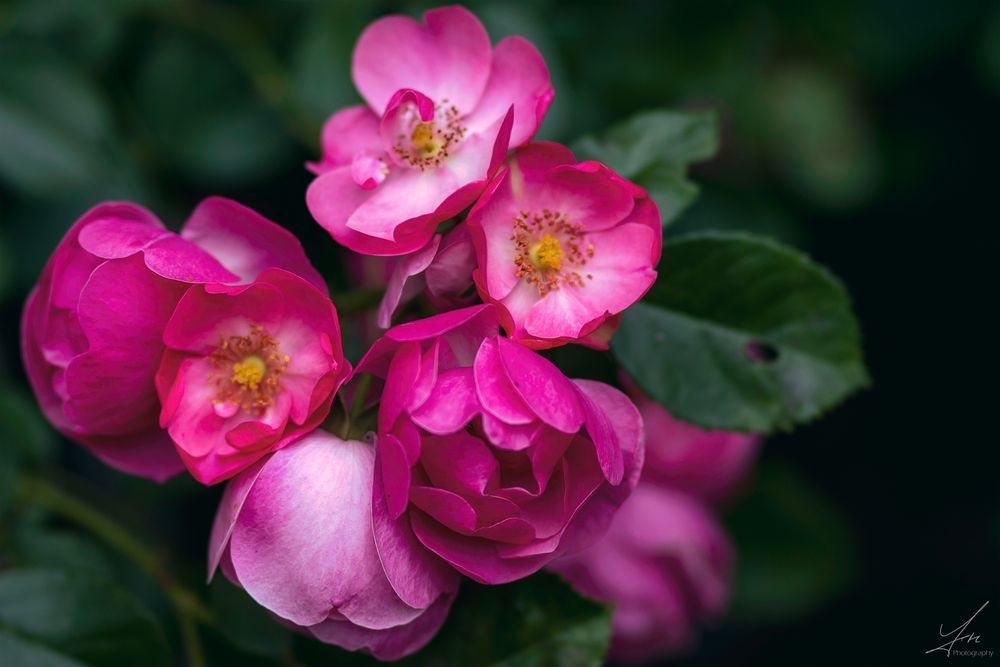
x,y
86,618
54,128
743,334
18,652
23,426
796,551
245,623
34,544
654,149
536,621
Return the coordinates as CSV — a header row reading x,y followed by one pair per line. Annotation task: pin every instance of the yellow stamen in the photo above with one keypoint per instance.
x,y
423,139
249,372
547,253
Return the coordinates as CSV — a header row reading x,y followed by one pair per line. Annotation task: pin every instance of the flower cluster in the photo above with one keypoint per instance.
x,y
218,350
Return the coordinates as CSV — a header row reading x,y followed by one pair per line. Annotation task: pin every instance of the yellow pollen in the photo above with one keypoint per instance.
x,y
249,372
547,253
423,139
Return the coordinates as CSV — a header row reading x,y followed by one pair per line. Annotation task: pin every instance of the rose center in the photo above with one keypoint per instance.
x,y
546,254
550,251
249,371
426,144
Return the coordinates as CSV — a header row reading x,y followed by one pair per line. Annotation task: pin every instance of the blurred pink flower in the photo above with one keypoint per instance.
x,y
442,109
562,247
665,564
247,370
709,465
489,460
91,331
295,531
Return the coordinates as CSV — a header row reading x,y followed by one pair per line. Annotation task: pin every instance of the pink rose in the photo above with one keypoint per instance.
x,y
489,460
442,109
247,370
707,464
563,248
91,332
665,564
295,531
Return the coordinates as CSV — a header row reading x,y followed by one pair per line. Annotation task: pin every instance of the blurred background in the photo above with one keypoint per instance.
x,y
864,132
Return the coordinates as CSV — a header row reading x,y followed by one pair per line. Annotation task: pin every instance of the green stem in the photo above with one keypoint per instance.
x,y
360,396
186,604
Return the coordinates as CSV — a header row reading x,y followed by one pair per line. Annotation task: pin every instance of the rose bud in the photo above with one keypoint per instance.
x,y
295,531
665,564
563,248
707,464
489,460
247,370
443,107
91,331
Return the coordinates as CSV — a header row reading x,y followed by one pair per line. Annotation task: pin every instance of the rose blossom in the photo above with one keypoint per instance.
x,y
91,329
665,564
247,370
295,531
562,247
489,460
442,109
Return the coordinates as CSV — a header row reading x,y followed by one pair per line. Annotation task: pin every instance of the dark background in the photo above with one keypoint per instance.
x,y
864,132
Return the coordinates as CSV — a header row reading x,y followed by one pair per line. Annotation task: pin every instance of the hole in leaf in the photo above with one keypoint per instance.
x,y
761,352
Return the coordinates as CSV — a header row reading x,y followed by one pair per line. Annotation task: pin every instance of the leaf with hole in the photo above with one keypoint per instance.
x,y
743,334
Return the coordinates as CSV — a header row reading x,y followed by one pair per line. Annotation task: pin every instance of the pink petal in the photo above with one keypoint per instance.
x,y
303,544
228,513
519,77
346,133
451,405
542,387
417,576
493,387
447,57
408,267
246,242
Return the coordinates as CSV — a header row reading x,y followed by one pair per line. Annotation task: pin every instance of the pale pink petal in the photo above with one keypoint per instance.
x,y
447,57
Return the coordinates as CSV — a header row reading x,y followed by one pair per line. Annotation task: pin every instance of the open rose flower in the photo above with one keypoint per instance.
x,y
665,564
247,370
91,332
442,109
295,531
709,465
562,247
489,460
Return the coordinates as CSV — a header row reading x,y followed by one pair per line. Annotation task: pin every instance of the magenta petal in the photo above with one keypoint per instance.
x,y
459,462
303,541
450,509
601,431
494,389
474,557
402,374
451,405
123,310
418,576
398,291
447,57
542,387
395,474
391,643
148,454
